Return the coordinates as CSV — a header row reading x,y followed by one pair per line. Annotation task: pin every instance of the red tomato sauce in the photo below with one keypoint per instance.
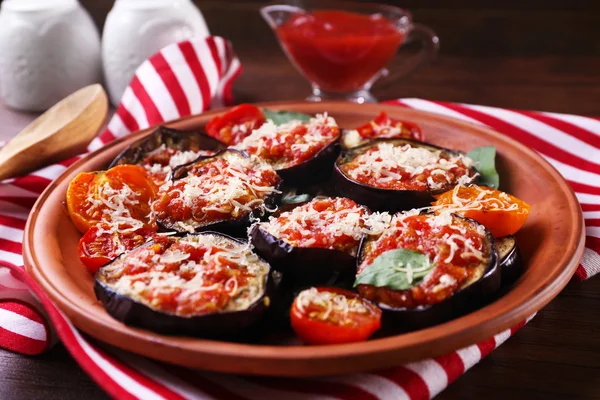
x,y
340,50
418,235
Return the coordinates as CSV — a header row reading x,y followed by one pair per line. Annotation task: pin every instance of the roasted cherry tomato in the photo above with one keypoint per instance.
x,y
501,213
386,127
122,196
333,315
99,245
233,126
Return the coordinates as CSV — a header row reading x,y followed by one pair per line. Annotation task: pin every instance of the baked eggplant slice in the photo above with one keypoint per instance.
x,y
313,242
170,285
399,174
301,152
511,262
223,192
426,269
165,149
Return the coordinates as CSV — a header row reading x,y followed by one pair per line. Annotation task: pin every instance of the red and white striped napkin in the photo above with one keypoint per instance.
x,y
189,78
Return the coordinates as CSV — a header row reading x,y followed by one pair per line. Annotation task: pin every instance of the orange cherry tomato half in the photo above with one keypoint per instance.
x,y
99,246
233,126
501,213
333,315
95,197
386,127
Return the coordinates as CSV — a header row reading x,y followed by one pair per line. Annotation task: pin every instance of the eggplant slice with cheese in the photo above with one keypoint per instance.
x,y
426,269
223,192
301,152
313,242
207,285
399,174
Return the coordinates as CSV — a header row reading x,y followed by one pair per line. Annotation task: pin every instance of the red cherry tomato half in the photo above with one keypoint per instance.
x,y
333,315
98,246
386,127
233,126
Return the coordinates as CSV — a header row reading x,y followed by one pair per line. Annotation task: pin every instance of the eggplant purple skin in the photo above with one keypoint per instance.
x,y
214,325
236,227
314,170
172,138
301,265
378,199
462,302
511,263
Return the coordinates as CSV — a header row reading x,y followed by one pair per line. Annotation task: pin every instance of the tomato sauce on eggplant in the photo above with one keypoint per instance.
x,y
189,276
228,186
293,143
457,248
396,166
329,223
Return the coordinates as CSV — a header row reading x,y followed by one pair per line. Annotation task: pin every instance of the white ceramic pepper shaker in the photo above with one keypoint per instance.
x,y
136,29
48,50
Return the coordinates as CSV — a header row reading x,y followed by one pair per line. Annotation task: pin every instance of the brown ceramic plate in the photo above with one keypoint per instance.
x,y
552,243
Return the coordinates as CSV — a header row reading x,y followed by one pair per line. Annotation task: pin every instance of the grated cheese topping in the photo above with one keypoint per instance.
x,y
113,205
395,166
486,199
270,141
329,306
333,223
222,275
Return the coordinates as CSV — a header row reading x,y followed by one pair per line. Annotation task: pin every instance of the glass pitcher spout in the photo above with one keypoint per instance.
x,y
277,14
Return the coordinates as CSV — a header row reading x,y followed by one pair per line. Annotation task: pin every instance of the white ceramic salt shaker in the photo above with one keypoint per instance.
x,y
136,29
48,50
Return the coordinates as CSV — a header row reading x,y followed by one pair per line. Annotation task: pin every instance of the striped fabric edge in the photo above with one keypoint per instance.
x,y
571,144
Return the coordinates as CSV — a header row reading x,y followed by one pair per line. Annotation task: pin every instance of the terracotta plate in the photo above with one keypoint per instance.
x,y
552,244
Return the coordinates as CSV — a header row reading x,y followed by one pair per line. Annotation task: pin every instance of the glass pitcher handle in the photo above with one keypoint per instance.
x,y
430,46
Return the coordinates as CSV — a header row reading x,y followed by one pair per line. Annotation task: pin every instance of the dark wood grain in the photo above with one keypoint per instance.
x,y
537,54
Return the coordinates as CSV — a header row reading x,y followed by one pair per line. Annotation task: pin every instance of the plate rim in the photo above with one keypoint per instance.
x,y
304,354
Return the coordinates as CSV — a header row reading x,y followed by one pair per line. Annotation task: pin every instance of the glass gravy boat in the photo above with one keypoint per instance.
x,y
342,47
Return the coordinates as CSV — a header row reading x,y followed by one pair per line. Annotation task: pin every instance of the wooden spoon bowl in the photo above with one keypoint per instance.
x,y
63,131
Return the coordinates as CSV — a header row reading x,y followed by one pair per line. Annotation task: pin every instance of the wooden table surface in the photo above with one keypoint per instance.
x,y
539,54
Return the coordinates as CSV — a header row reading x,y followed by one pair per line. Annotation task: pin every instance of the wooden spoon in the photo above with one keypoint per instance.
x,y
61,132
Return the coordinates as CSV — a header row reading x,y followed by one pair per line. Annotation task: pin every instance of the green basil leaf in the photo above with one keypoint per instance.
x,y
282,117
398,269
485,158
